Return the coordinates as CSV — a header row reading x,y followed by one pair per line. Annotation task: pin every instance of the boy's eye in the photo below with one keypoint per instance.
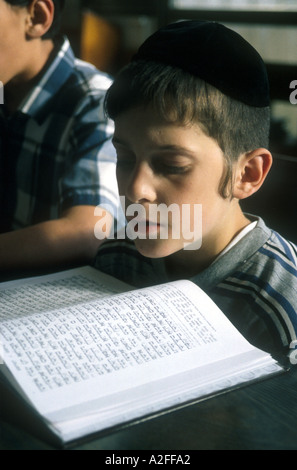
x,y
170,168
126,162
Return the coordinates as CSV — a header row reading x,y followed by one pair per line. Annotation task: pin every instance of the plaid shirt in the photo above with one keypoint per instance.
x,y
55,151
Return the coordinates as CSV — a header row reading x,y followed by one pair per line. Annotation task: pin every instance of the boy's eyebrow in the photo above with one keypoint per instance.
x,y
177,149
164,148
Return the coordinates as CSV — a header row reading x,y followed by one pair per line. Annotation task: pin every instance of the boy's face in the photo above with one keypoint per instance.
x,y
12,41
166,163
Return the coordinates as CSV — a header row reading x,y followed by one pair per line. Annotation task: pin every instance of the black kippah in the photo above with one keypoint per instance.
x,y
213,53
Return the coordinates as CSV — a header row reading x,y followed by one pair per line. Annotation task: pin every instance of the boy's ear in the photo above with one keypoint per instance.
x,y
251,172
40,18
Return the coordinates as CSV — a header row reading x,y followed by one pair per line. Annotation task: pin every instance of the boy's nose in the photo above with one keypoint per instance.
x,y
140,187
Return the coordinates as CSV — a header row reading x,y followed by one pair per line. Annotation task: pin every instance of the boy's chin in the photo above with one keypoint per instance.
x,y
157,248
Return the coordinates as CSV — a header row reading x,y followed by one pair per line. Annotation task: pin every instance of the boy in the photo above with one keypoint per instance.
x,y
57,162
191,119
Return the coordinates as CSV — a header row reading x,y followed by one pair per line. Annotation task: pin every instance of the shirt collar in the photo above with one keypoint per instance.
x,y
39,101
232,259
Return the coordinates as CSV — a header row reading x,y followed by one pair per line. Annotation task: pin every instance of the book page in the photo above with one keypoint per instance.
x,y
41,294
64,357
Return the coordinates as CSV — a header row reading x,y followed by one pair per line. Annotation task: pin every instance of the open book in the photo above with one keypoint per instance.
x,y
88,353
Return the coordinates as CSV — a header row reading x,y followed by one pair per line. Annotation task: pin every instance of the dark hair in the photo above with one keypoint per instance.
x,y
183,98
54,29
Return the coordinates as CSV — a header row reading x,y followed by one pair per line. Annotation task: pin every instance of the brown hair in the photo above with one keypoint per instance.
x,y
183,98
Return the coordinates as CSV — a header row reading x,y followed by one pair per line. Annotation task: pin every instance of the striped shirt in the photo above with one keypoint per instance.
x,y
55,150
254,283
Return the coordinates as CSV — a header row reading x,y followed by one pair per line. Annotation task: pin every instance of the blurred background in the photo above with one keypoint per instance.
x,y
108,32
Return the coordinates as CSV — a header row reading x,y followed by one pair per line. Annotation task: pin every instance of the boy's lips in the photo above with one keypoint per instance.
x,y
148,227
145,226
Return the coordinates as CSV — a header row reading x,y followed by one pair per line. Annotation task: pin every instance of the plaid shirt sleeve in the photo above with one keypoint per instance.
x,y
89,173
56,151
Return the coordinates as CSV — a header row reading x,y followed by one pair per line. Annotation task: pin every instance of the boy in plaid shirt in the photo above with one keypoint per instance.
x,y
56,160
